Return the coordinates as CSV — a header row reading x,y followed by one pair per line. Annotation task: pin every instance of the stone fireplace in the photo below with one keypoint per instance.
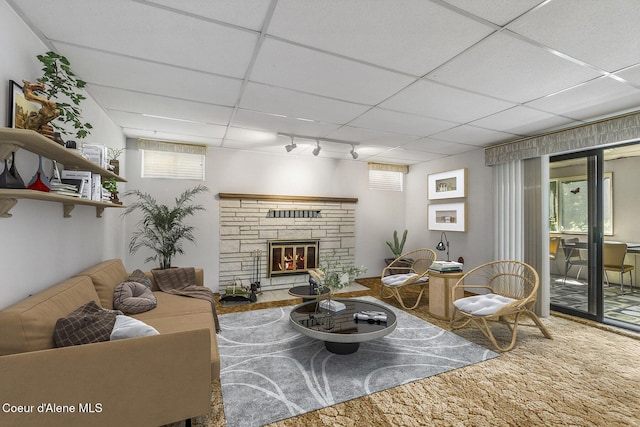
x,y
284,235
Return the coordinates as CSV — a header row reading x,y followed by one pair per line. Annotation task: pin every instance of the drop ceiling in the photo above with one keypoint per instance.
x,y
405,81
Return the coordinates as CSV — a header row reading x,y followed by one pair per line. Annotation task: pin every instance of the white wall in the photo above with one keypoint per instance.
x,y
38,247
378,213
475,245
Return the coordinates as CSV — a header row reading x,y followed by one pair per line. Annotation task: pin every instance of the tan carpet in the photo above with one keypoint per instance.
x,y
586,376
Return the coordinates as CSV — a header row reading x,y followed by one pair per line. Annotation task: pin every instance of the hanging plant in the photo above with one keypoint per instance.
x,y
58,79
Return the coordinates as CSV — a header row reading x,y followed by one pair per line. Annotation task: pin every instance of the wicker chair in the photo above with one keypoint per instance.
x,y
511,288
410,269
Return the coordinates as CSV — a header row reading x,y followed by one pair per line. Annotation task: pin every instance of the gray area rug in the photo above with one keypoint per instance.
x,y
270,372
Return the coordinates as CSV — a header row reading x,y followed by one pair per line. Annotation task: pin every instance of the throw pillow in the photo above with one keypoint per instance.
x,y
140,277
128,327
86,324
133,298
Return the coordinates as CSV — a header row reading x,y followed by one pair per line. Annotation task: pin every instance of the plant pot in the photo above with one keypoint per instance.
x,y
116,166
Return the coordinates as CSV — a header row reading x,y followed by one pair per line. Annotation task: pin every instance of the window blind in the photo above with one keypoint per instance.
x,y
164,164
387,176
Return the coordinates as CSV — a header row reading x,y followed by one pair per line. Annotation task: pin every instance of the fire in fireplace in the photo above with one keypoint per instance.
x,y
292,256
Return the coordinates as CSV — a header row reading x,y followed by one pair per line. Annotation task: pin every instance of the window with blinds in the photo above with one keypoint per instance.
x,y
387,177
164,164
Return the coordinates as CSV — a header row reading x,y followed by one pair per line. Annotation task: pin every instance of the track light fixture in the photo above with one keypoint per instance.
x,y
290,146
353,152
317,149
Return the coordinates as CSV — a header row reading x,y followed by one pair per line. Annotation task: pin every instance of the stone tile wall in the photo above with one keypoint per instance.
x,y
245,228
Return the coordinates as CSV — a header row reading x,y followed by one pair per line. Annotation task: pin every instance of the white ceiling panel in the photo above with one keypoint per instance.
x,y
601,33
499,12
431,145
403,123
274,123
138,121
147,77
507,68
306,70
522,121
599,97
123,100
243,13
413,36
443,102
370,136
410,157
259,97
170,136
472,135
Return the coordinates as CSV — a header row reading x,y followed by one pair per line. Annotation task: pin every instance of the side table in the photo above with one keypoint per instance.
x,y
306,293
440,284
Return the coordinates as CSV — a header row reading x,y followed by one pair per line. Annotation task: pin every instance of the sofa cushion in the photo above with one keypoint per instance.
x,y
128,327
29,324
106,276
85,325
140,277
133,298
482,305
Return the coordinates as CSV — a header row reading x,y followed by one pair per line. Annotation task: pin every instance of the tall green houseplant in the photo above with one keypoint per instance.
x,y
398,245
162,228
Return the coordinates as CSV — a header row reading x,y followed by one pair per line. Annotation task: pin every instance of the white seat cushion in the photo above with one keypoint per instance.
x,y
399,279
482,305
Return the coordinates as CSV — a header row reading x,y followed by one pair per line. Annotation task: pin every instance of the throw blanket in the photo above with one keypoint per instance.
x,y
182,281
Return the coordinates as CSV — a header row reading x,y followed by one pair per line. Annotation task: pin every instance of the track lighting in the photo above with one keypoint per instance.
x,y
317,149
353,152
290,146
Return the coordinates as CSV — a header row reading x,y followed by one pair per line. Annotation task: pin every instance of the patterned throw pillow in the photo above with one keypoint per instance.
x,y
87,324
133,298
140,277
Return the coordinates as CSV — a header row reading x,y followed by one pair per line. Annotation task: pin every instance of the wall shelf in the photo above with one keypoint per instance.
x,y
13,139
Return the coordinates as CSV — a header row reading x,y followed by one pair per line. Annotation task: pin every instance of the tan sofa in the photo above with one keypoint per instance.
x,y
145,381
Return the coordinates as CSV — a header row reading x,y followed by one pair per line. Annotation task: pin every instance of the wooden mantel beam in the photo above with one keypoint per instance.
x,y
281,198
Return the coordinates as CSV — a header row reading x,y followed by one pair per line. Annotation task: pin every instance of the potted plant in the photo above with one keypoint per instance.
x,y
162,228
58,79
397,246
111,186
113,154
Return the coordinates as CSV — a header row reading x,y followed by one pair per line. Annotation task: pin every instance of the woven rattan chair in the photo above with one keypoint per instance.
x,y
410,269
510,287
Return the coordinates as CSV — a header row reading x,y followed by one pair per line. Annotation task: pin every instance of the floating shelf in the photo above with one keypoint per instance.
x,y
14,139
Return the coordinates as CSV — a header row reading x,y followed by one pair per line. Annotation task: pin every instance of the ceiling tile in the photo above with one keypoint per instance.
x,y
443,102
142,76
124,100
408,157
522,121
600,33
170,136
403,123
291,103
413,36
499,12
631,74
306,70
370,136
431,145
507,68
243,13
472,135
599,97
138,121
135,29
267,122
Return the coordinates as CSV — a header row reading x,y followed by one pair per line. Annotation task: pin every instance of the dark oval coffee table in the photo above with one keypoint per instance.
x,y
339,331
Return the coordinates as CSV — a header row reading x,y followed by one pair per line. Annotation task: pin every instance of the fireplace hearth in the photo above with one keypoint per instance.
x,y
292,256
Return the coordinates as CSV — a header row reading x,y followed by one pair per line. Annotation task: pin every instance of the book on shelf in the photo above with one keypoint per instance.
x,y
84,176
446,266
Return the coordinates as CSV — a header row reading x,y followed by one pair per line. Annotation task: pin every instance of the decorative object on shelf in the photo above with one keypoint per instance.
x,y
21,108
448,185
448,217
57,79
441,245
113,154
39,182
111,186
10,178
162,229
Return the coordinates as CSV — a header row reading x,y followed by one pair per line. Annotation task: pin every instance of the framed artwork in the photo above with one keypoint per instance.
x,y
20,107
448,217
448,185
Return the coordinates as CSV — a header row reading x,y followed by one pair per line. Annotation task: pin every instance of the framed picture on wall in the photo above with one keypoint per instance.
x,y
448,217
19,107
448,185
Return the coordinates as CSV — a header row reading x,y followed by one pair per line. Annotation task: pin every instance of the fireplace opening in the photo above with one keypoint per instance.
x,y
292,256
